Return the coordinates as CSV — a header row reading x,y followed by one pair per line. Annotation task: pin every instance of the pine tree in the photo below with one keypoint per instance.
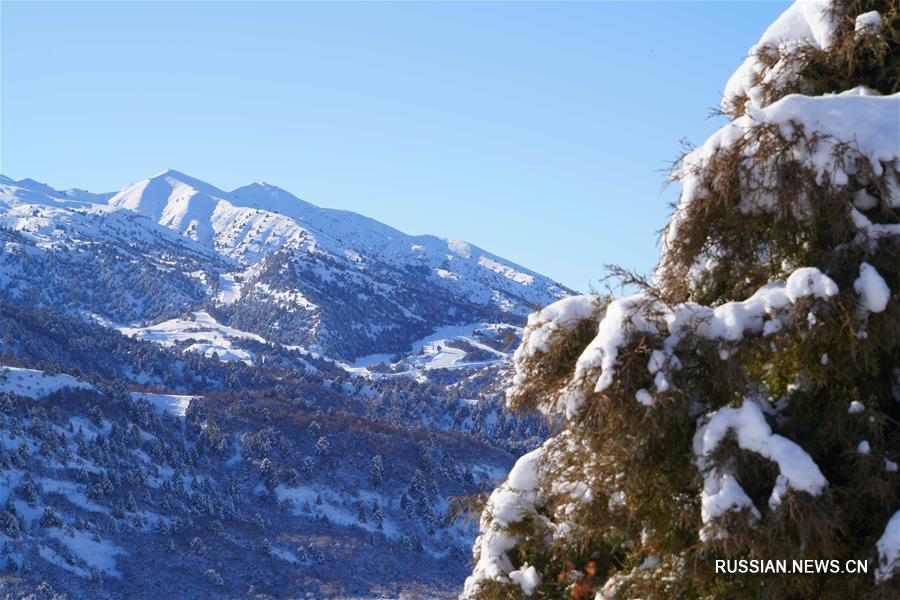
x,y
377,472
50,518
214,578
317,553
29,492
197,546
302,554
417,484
377,514
406,504
743,403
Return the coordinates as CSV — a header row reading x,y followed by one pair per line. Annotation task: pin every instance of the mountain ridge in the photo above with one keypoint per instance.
x,y
334,281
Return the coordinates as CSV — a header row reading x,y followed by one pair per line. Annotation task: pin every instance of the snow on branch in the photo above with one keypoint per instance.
x,y
889,550
561,316
508,504
721,490
806,24
828,135
872,289
595,368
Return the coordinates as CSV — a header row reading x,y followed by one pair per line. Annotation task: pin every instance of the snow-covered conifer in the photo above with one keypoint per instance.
x,y
706,415
322,446
50,518
377,471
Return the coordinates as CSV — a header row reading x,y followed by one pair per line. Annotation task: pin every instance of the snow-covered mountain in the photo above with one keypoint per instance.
x,y
264,261
246,391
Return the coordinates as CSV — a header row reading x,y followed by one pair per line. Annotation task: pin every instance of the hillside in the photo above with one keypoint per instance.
x,y
240,388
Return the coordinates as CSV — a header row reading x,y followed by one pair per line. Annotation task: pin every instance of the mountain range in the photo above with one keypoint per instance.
x,y
334,282
247,391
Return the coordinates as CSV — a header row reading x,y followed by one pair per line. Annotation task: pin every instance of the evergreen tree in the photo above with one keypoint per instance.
x,y
317,554
417,484
377,472
214,578
743,403
50,518
322,446
302,554
29,492
197,546
406,504
377,514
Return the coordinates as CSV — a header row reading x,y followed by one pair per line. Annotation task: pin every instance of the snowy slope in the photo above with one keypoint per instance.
x,y
264,261
173,404
258,218
62,250
286,296
35,384
203,334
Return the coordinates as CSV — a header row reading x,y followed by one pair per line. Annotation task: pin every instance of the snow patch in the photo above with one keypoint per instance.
x,y
210,336
721,490
527,578
171,403
872,289
461,249
868,22
35,384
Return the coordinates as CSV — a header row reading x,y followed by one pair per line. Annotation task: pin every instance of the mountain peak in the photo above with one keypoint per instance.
x,y
32,184
169,173
266,196
171,176
261,186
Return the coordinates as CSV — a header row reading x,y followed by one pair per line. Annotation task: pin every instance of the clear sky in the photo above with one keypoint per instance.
x,y
539,131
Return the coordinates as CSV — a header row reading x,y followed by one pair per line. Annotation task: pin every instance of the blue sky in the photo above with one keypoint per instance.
x,y
539,131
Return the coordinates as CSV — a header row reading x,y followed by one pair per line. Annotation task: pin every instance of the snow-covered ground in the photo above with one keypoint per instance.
x,y
209,336
35,384
436,352
171,403
229,289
